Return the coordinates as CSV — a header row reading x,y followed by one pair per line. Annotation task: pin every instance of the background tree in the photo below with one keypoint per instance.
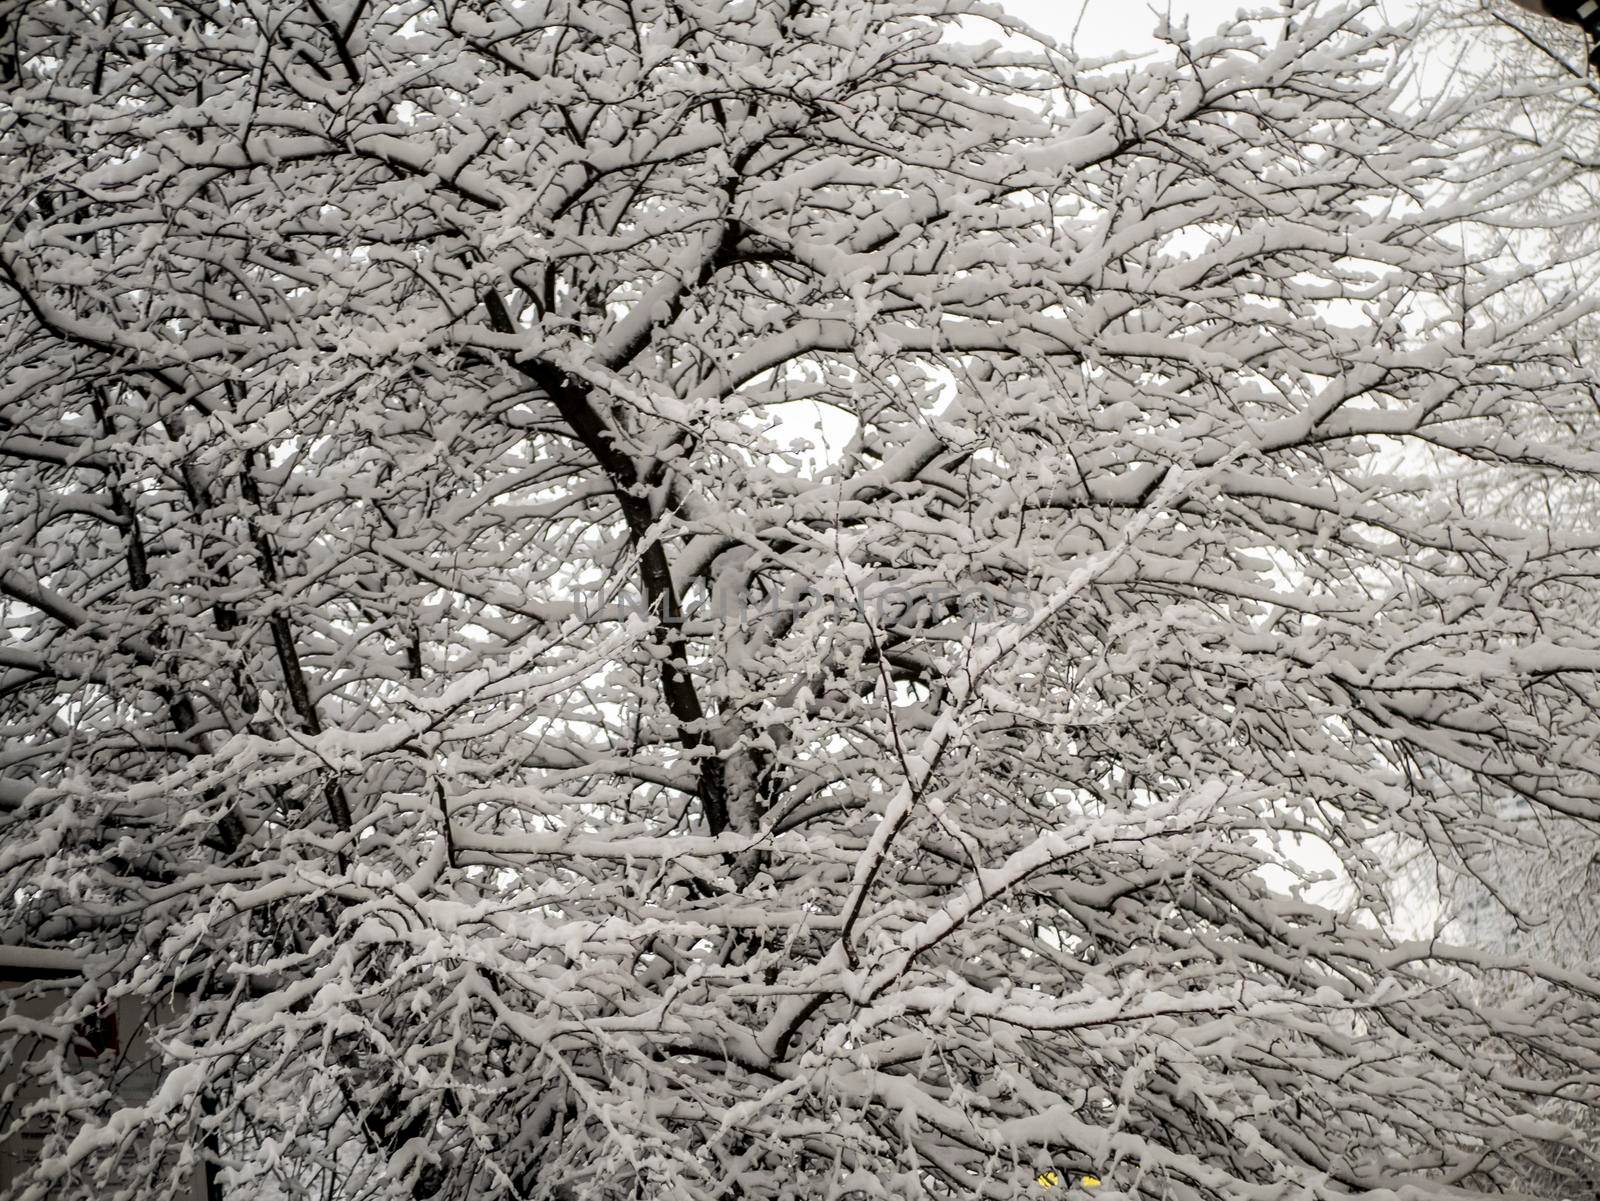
x,y
1528,889
707,601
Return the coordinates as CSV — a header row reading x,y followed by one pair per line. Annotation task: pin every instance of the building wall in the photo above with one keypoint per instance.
x,y
118,1046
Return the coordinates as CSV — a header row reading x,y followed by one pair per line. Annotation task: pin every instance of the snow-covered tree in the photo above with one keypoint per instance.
x,y
787,599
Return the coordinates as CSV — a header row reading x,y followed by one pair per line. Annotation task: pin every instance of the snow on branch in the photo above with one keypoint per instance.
x,y
704,600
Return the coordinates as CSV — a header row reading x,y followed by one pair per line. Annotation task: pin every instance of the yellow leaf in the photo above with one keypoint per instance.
x,y
1048,1179
1090,1182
